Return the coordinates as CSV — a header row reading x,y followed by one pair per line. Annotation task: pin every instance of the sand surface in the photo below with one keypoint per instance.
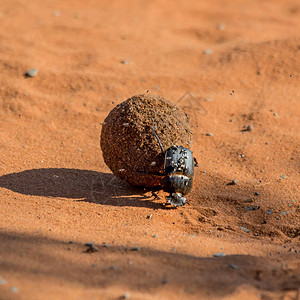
x,y
239,63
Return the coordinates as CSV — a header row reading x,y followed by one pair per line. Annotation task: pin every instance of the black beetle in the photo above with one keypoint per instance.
x,y
178,172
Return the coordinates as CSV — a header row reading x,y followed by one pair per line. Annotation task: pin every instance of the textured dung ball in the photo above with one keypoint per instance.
x,y
128,144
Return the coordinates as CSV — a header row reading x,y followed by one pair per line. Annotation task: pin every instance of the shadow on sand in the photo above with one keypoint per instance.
x,y
84,185
43,259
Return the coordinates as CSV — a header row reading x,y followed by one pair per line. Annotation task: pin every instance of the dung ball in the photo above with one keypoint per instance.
x,y
129,146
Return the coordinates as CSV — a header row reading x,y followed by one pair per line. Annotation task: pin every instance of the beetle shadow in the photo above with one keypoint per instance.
x,y
83,185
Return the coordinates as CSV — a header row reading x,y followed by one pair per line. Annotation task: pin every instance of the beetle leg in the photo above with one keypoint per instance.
x,y
155,195
159,142
195,162
167,203
151,173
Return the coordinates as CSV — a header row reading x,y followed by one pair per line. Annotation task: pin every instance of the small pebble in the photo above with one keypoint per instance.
x,y
275,114
165,280
245,229
125,62
269,211
250,127
209,134
256,193
155,236
106,245
221,26
284,213
220,254
113,267
126,295
233,182
255,207
31,73
136,248
91,248
207,51
14,289
234,266
2,281
282,176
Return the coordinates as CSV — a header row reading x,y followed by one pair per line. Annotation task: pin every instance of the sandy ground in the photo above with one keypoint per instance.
x,y
240,63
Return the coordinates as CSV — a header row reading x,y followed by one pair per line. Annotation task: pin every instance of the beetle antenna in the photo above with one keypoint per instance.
x,y
160,145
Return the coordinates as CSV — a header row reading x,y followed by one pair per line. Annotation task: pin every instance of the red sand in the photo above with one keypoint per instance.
x,y
55,187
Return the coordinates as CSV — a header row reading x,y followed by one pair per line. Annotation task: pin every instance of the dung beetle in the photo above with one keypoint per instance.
x,y
178,172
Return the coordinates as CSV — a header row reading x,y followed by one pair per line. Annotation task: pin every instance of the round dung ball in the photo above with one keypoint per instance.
x,y
129,146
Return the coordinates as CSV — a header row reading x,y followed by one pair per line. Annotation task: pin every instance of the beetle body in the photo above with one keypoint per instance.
x,y
179,166
178,174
